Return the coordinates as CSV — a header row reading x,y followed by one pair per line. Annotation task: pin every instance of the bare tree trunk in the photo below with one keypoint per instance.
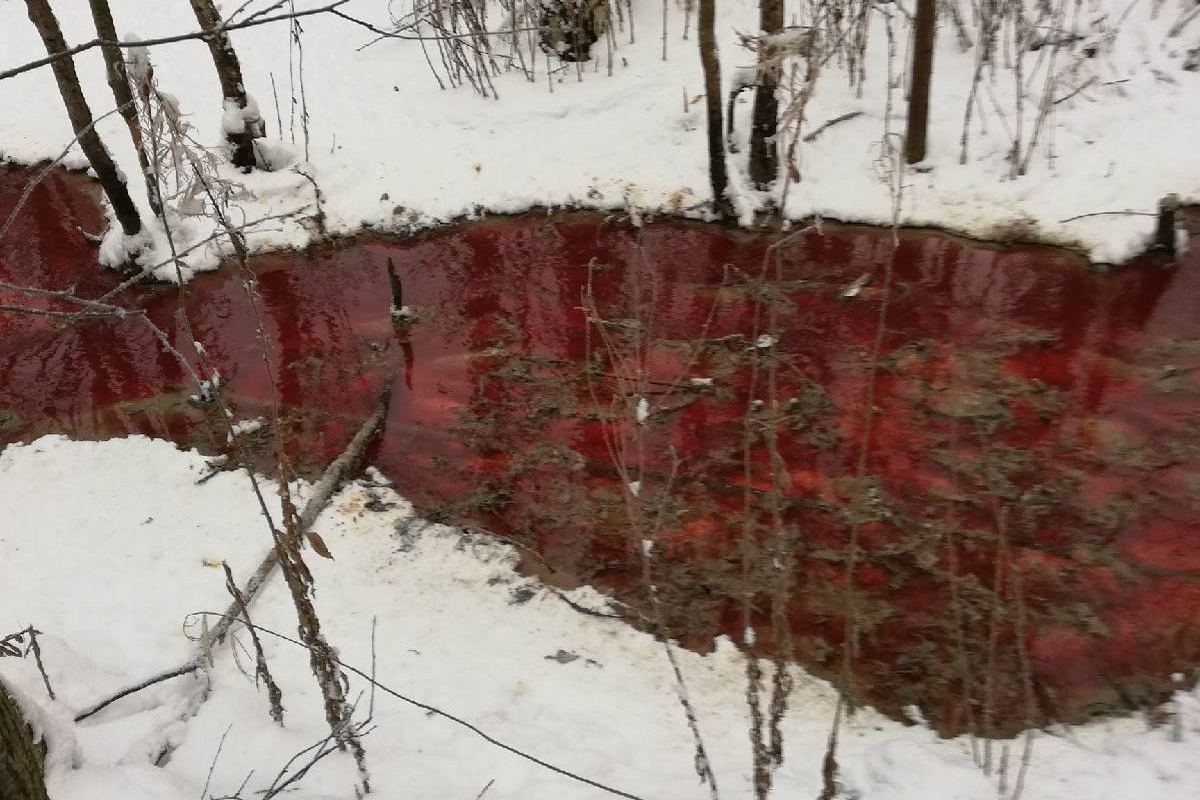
x,y
1164,234
229,73
764,155
42,16
21,757
712,99
118,81
922,72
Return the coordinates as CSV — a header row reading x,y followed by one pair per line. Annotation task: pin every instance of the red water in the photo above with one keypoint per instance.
x,y
1028,412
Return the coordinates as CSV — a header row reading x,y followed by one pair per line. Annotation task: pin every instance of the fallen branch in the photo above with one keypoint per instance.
x,y
582,609
66,315
1077,90
261,670
1108,214
334,474
186,669
843,118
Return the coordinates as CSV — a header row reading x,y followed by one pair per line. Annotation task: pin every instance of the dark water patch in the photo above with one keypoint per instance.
x,y
1028,413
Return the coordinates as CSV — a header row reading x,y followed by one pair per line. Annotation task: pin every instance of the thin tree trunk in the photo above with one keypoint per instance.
x,y
764,155
1164,234
922,72
712,99
42,16
229,73
118,81
22,758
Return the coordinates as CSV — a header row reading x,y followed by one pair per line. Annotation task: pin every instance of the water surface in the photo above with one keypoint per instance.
x,y
1025,506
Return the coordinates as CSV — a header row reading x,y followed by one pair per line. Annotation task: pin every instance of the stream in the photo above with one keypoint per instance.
x,y
1022,499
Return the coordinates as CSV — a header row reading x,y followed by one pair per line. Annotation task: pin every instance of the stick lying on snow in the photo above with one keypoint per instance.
x,y
333,477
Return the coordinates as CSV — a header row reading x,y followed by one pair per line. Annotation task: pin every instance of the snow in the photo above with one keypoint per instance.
x,y
245,426
641,411
390,151
107,547
232,120
50,722
376,477
855,288
117,249
235,118
404,314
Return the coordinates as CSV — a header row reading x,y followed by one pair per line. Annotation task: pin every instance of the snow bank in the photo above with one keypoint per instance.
x,y
391,151
107,546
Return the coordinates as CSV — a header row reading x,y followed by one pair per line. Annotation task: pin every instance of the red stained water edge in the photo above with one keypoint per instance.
x,y
1024,508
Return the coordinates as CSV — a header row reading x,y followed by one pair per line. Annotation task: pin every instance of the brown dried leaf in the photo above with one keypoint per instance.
x,y
318,545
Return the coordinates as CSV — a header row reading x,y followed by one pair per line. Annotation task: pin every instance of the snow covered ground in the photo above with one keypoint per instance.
x,y
107,547
390,150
